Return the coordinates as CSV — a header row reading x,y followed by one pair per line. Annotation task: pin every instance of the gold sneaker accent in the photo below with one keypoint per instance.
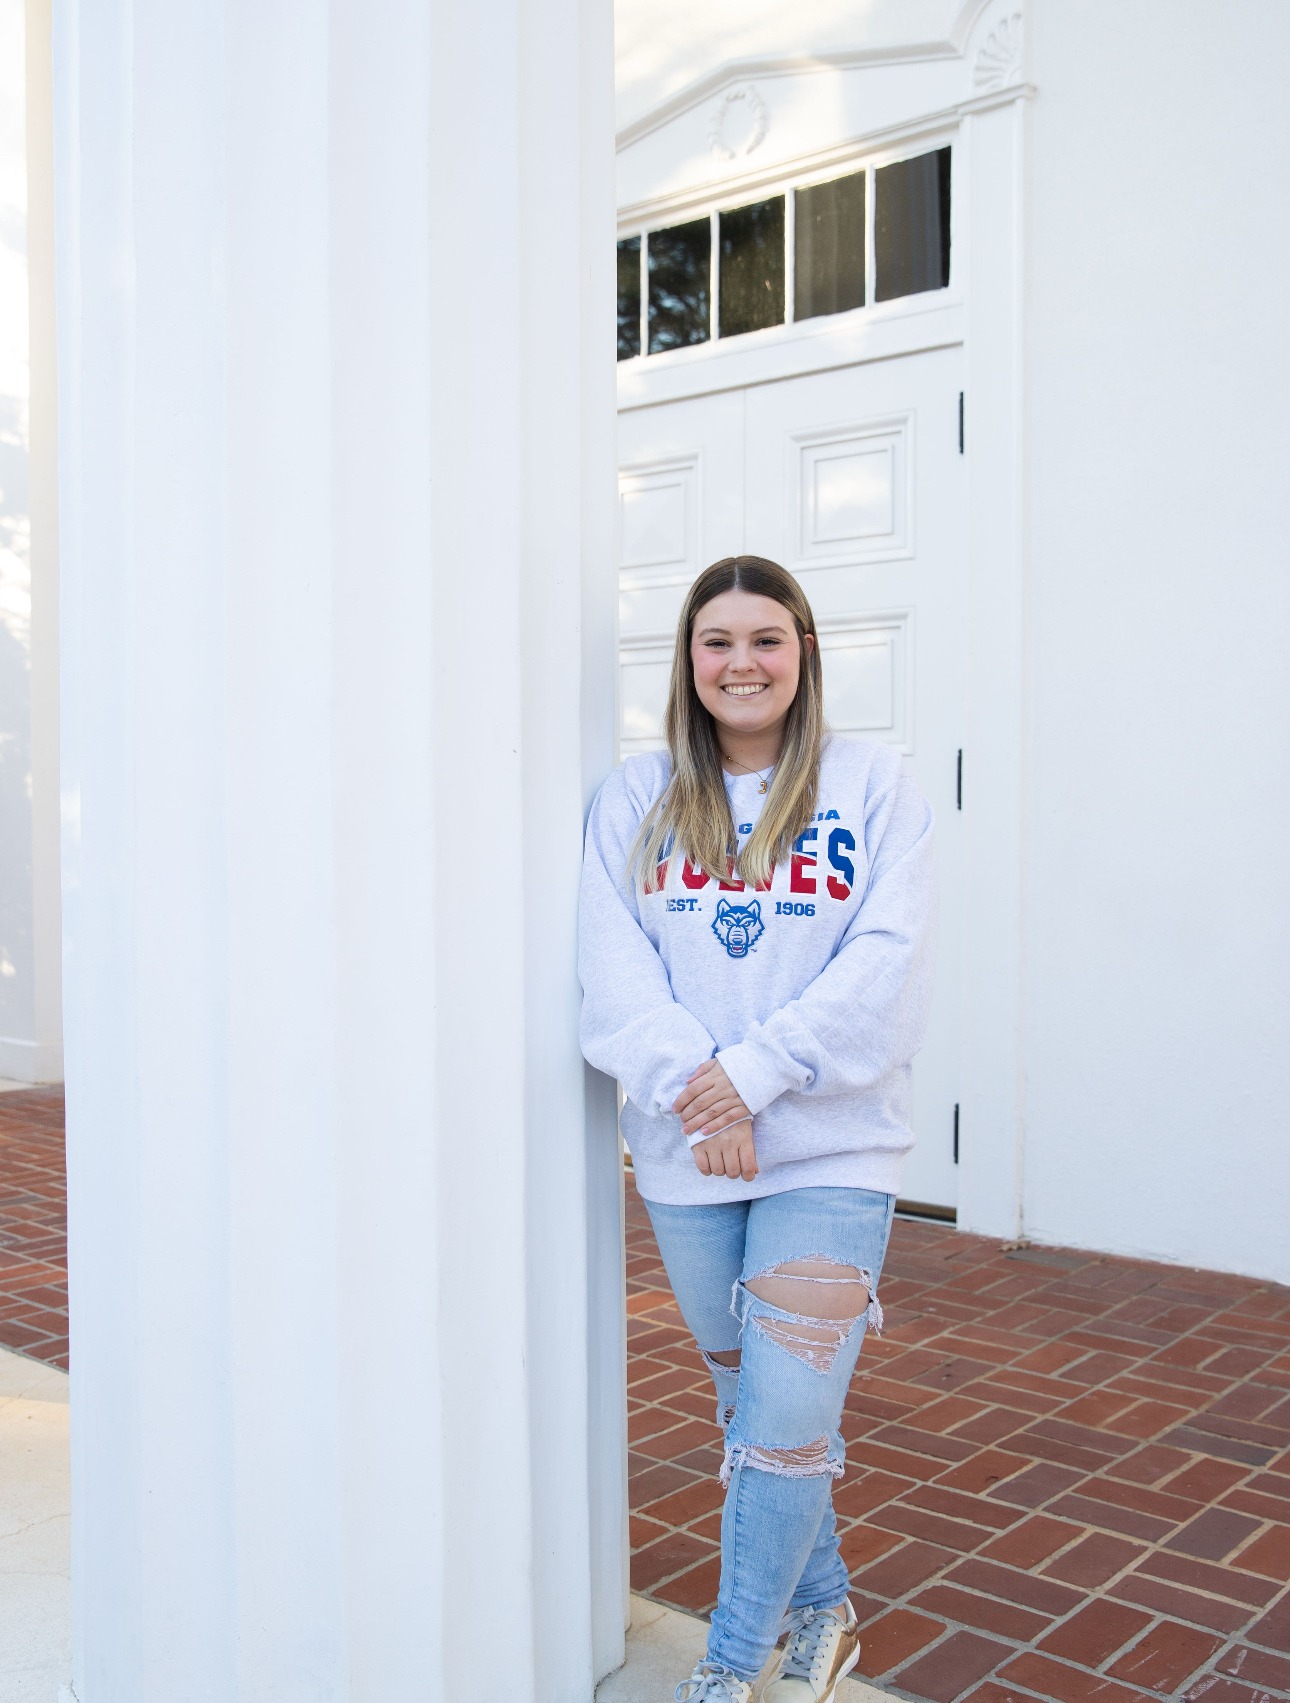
x,y
822,1648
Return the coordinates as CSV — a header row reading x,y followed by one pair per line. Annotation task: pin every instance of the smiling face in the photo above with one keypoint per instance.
x,y
747,660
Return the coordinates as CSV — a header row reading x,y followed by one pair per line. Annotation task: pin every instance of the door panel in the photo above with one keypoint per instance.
x,y
680,506
851,478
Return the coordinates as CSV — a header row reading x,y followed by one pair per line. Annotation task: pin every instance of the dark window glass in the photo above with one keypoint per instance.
x,y
911,231
629,298
751,279
828,247
679,262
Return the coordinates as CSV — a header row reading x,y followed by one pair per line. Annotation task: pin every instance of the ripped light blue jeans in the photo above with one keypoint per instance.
x,y
781,1407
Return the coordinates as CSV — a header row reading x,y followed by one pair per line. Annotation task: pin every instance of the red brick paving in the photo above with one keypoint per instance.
x,y
33,1225
1069,1475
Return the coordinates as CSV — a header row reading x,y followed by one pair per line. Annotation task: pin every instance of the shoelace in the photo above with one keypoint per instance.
x,y
709,1683
806,1631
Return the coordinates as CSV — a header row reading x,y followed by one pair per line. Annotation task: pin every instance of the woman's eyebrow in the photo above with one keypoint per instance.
x,y
724,632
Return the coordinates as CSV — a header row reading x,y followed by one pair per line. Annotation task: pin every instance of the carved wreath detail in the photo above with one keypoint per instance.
x,y
999,61
739,123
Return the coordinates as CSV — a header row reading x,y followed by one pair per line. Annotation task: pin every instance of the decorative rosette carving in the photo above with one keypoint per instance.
x,y
999,61
739,123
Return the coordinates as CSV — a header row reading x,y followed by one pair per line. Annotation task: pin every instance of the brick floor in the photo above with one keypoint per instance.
x,y
33,1233
1069,1478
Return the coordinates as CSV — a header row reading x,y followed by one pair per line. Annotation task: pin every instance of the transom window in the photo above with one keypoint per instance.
x,y
817,249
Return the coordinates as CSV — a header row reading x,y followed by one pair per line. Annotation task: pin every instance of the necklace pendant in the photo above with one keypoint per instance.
x,y
763,787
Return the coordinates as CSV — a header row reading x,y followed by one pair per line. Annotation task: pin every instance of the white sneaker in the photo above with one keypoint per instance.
x,y
712,1683
823,1646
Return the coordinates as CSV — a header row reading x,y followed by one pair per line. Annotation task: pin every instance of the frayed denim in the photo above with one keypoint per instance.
x,y
781,1408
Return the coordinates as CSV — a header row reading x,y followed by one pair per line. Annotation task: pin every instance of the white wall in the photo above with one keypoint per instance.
x,y
30,947
1157,980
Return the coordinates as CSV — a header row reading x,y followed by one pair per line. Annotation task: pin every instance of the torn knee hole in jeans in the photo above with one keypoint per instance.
x,y
720,1359
808,1460
838,1294
814,1341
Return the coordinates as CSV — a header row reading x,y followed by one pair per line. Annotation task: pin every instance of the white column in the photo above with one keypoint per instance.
x,y
30,946
337,403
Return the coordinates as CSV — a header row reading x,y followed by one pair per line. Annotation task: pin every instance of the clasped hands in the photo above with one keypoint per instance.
x,y
709,1102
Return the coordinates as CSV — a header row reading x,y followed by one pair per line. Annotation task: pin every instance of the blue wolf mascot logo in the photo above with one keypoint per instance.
x,y
738,927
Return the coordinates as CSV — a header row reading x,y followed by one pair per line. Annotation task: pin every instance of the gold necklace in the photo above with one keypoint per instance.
x,y
763,775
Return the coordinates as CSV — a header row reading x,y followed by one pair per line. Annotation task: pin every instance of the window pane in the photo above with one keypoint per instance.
x,y
828,247
752,267
912,226
629,298
679,261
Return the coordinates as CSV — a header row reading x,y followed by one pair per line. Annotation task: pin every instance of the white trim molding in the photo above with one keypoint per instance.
x,y
879,333
867,147
992,166
31,1061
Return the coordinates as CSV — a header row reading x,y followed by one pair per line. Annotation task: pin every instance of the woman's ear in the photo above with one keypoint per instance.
x,y
808,642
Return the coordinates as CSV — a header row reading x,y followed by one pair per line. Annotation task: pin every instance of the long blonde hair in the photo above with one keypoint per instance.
x,y
692,816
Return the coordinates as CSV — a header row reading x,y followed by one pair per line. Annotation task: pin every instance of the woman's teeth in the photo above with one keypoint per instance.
x,y
744,691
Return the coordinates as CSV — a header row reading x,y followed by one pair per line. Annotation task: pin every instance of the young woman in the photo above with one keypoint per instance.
x,y
757,912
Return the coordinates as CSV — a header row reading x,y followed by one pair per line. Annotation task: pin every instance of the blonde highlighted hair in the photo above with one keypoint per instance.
x,y
692,816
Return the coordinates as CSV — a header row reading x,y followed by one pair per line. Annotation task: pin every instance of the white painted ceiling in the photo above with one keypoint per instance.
x,y
663,46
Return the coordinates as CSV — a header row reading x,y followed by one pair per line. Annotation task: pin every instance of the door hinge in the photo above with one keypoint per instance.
x,y
956,1132
960,422
958,785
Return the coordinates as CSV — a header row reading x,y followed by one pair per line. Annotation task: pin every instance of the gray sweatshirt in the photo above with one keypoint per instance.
x,y
813,993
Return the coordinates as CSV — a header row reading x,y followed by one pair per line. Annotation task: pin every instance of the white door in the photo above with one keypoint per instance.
x,y
680,506
853,479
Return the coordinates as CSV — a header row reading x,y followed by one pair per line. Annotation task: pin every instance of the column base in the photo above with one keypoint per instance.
x,y
35,1062
662,1646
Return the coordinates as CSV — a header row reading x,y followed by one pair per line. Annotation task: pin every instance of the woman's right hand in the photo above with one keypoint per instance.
x,y
729,1153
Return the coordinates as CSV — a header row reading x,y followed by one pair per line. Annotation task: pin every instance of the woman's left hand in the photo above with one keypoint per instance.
x,y
730,1153
709,1101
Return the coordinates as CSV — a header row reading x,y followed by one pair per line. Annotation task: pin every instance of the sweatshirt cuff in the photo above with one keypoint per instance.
x,y
669,1091
753,1074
